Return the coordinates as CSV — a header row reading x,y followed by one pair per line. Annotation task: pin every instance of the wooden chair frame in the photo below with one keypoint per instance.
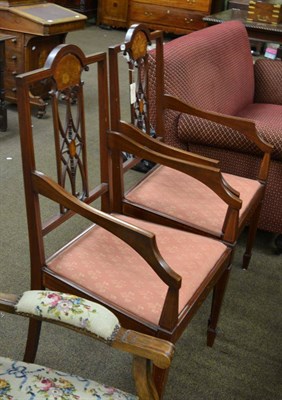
x,y
135,47
63,67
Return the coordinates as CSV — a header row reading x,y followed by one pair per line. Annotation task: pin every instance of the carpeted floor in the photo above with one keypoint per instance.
x,y
245,362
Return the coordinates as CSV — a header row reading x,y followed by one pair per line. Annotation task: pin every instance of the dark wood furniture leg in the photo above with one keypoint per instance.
x,y
278,243
3,110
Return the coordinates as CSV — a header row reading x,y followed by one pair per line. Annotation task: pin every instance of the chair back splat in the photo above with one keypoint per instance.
x,y
151,276
202,200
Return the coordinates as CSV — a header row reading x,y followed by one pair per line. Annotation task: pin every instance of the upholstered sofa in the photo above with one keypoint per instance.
x,y
213,69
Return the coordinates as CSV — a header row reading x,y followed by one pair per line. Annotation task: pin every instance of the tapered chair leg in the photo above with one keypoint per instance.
x,y
32,340
251,238
217,299
160,378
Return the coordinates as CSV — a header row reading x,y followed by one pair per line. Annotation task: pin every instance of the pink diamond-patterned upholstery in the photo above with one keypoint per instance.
x,y
212,69
97,262
190,200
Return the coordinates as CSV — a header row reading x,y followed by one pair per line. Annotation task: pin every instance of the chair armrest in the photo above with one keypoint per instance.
x,y
243,126
142,241
268,81
103,324
144,140
210,176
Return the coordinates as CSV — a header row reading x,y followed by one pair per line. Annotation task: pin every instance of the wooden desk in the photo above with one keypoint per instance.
x,y
37,28
3,109
256,30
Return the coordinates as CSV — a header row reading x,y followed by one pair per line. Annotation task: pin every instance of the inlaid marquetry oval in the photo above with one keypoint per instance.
x,y
139,45
67,72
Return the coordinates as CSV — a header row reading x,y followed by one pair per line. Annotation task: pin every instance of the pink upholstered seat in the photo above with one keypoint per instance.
x,y
97,262
185,198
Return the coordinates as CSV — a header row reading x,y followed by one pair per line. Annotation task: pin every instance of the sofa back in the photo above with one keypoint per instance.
x,y
211,68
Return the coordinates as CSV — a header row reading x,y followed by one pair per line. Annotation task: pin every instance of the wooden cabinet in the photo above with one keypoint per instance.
x,y
113,13
175,16
26,52
36,30
3,109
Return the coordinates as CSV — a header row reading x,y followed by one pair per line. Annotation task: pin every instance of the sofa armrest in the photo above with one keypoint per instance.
x,y
268,81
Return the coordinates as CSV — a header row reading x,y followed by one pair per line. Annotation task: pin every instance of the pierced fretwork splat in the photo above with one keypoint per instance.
x,y
69,131
137,58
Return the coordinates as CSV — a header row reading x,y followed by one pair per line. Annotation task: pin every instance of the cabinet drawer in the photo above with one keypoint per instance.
x,y
194,5
166,16
113,12
14,61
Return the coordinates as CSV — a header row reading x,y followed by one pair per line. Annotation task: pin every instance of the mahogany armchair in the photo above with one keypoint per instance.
x,y
23,381
213,71
152,277
191,202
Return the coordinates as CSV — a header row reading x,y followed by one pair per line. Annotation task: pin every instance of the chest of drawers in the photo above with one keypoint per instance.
x,y
175,16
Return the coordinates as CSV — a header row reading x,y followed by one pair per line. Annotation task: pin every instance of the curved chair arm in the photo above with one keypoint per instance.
x,y
89,318
142,241
156,145
242,125
209,176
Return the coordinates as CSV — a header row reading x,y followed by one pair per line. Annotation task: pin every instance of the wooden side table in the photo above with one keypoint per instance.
x,y
3,109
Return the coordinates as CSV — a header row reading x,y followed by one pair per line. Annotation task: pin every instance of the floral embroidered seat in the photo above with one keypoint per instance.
x,y
26,381
20,381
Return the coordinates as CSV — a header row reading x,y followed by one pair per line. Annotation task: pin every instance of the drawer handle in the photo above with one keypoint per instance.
x,y
14,89
14,57
191,1
148,13
262,18
14,40
188,20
